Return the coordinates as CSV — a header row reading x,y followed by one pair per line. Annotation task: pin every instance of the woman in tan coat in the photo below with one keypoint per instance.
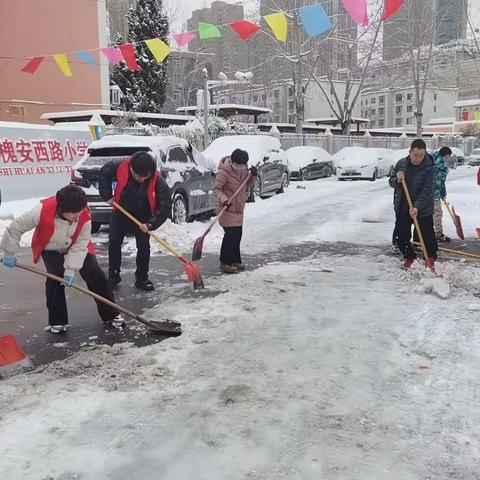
x,y
231,173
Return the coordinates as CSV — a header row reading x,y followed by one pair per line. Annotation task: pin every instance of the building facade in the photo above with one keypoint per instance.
x,y
395,107
117,17
30,29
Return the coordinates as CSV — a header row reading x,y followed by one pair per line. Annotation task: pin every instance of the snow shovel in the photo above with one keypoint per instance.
x,y
12,357
456,220
166,327
417,226
198,245
191,268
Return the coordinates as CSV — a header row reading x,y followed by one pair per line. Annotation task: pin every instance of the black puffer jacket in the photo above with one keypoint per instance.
x,y
134,196
420,180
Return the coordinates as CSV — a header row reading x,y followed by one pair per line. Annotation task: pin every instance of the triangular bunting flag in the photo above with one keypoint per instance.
x,y
130,56
160,50
86,57
278,23
183,39
113,54
391,8
244,29
357,9
33,64
207,30
62,62
315,20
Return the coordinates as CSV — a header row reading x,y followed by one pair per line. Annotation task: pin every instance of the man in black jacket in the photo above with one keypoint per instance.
x,y
143,192
418,172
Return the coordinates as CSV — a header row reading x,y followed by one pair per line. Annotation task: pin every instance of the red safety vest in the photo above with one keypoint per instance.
x,y
46,227
123,175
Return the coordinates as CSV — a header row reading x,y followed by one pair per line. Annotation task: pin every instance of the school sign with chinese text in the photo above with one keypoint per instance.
x,y
37,160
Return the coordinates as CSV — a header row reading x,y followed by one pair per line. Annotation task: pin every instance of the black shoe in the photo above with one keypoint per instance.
x,y
145,285
443,239
114,279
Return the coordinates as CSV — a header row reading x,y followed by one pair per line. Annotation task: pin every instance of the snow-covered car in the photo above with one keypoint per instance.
x,y
363,163
474,158
264,151
459,155
308,163
191,185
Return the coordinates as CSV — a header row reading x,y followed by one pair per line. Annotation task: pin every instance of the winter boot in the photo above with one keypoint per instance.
x,y
443,238
146,285
117,322
240,267
430,263
408,263
114,279
228,268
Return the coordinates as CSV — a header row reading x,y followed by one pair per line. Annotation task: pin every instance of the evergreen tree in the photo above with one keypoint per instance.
x,y
145,89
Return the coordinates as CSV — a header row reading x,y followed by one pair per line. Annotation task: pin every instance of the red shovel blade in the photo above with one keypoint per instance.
x,y
10,351
458,224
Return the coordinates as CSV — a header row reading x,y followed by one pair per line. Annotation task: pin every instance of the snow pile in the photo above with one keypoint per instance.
x,y
274,378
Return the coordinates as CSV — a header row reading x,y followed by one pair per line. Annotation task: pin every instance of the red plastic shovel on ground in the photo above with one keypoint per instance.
x,y
12,357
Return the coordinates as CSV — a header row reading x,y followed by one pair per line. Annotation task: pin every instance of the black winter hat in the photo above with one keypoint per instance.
x,y
143,164
240,157
71,199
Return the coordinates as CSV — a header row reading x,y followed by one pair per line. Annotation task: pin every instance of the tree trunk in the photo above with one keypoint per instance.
x,y
419,117
299,99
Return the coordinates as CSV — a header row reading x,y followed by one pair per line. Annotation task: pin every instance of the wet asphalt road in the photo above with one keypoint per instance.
x,y
23,312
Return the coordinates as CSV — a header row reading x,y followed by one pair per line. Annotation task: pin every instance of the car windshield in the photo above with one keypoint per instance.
x,y
476,152
100,156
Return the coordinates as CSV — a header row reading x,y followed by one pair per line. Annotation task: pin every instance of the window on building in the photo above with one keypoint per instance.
x,y
398,110
291,119
290,91
373,101
381,122
381,99
409,96
264,97
276,118
435,96
409,108
276,94
381,111
255,98
291,106
434,109
398,122
399,97
409,120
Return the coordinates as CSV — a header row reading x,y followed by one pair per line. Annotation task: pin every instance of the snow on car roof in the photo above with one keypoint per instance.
x,y
301,156
153,142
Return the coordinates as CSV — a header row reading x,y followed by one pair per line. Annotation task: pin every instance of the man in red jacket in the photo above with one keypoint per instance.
x,y
144,193
62,239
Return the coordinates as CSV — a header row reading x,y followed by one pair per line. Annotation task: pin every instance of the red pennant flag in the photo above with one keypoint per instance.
x,y
130,57
32,65
391,8
244,29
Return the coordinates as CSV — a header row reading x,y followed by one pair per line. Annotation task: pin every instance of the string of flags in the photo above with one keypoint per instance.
x,y
314,18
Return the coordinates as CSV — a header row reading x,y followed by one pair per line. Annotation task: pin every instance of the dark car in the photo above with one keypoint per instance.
x,y
264,151
191,184
309,163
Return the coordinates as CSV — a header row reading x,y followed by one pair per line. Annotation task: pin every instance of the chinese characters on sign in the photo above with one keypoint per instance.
x,y
28,157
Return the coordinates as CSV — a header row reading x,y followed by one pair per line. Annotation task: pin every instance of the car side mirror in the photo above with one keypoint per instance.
x,y
265,159
314,160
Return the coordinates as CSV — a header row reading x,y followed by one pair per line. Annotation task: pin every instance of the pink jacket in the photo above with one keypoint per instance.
x,y
226,183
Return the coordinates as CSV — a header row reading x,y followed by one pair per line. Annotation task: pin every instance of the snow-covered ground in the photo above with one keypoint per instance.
x,y
333,367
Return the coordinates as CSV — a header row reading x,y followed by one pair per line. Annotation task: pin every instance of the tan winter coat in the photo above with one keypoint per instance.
x,y
226,183
60,241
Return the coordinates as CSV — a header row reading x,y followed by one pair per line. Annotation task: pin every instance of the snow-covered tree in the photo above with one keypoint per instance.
x,y
145,89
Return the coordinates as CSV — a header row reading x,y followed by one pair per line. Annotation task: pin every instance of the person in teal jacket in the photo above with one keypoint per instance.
x,y
439,190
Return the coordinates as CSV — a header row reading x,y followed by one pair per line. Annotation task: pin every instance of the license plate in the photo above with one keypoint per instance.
x,y
350,172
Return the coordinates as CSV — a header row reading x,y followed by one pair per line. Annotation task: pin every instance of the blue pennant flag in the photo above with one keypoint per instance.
x,y
315,20
85,56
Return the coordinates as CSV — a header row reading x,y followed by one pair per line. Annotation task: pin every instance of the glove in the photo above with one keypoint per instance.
x,y
227,204
253,170
9,262
67,280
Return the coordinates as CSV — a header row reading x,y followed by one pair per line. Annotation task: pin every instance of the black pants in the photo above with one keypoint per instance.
x,y
120,226
94,278
230,251
404,235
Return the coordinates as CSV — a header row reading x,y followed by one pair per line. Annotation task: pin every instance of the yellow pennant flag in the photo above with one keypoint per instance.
x,y
160,50
62,63
278,23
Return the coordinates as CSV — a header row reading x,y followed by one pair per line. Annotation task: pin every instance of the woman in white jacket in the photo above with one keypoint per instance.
x,y
62,239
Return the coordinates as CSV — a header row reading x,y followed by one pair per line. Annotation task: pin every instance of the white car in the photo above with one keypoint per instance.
x,y
363,163
474,158
264,151
308,163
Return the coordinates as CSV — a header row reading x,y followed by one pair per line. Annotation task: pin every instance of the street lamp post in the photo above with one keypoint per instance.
x,y
209,85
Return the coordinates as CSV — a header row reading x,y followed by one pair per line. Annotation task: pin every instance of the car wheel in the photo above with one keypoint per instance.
x,y
179,209
374,176
305,175
96,227
340,179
